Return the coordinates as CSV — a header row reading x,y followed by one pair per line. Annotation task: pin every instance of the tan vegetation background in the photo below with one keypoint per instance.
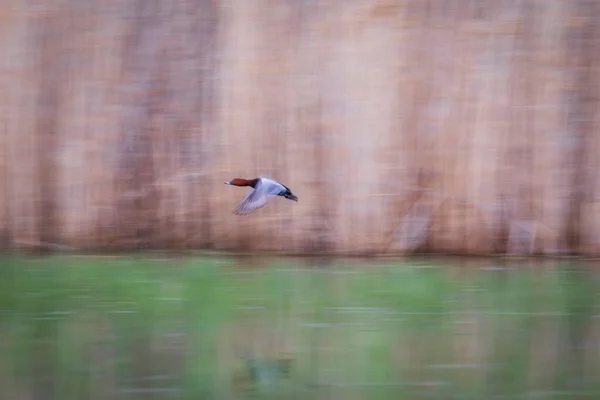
x,y
429,125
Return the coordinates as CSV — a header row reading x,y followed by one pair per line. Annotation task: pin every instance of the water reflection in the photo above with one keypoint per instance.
x,y
224,327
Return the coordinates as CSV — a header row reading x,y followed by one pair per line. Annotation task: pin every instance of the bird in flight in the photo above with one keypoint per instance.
x,y
261,189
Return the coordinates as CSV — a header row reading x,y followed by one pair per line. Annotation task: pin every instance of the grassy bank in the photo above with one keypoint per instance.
x,y
138,327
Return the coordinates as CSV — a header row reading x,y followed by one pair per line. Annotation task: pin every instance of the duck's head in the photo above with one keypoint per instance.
x,y
239,182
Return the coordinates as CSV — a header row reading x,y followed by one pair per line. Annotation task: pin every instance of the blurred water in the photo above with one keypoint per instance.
x,y
137,327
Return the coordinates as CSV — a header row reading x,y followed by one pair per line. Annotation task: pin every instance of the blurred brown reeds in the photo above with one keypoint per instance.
x,y
431,125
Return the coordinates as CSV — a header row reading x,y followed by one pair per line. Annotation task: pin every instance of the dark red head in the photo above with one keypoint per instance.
x,y
240,182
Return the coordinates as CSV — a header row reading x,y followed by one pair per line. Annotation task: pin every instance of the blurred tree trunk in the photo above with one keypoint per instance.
x,y
581,102
135,170
53,68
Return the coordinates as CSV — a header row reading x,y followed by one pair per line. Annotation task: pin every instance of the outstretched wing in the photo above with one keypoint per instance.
x,y
255,198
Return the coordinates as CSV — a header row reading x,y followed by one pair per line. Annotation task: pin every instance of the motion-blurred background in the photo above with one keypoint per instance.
x,y
403,126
